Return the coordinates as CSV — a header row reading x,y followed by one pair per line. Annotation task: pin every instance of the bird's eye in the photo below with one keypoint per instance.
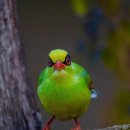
x,y
50,63
67,60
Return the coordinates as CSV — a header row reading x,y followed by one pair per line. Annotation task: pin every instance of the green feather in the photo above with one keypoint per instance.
x,y
65,94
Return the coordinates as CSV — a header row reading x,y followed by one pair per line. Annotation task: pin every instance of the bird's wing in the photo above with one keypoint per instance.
x,y
90,85
84,73
41,77
88,79
81,71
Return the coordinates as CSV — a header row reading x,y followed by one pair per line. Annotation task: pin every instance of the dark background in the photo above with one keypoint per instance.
x,y
47,25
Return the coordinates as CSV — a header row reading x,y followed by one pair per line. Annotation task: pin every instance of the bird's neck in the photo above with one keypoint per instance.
x,y
61,76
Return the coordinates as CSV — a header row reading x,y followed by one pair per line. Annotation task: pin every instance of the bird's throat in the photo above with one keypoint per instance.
x,y
59,73
60,76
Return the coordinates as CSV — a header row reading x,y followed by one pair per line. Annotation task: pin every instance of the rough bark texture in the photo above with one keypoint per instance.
x,y
17,102
119,127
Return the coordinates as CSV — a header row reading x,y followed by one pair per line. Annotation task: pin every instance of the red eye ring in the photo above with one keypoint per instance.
x,y
67,60
50,63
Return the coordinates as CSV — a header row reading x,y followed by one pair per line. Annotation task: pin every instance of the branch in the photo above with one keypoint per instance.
x,y
116,127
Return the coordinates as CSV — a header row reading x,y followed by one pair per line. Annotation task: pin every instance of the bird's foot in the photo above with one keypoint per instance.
x,y
76,128
46,128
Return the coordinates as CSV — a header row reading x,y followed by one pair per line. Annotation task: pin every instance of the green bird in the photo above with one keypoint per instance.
x,y
64,88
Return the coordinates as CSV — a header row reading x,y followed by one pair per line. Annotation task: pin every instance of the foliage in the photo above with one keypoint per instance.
x,y
106,29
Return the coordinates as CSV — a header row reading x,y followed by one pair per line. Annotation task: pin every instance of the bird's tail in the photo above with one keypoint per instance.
x,y
94,94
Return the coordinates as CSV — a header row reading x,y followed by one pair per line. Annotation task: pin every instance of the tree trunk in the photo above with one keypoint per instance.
x,y
17,101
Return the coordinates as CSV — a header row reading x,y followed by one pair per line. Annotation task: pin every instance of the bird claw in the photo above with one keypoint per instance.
x,y
76,128
46,128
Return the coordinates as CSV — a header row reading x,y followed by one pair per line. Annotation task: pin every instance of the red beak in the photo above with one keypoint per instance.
x,y
59,65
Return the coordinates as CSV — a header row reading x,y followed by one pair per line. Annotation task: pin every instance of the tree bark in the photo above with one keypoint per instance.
x,y
18,109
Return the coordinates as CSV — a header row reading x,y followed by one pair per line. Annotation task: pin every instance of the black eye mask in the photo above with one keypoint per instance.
x,y
67,60
50,63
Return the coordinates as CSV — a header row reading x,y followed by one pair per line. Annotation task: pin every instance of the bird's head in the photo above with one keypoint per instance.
x,y
59,59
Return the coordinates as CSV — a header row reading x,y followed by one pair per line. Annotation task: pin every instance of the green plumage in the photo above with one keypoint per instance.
x,y
65,94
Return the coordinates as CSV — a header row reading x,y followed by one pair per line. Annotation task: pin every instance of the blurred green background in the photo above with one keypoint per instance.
x,y
97,35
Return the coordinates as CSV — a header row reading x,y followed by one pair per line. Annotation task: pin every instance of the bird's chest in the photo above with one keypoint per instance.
x,y
62,88
61,79
66,97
